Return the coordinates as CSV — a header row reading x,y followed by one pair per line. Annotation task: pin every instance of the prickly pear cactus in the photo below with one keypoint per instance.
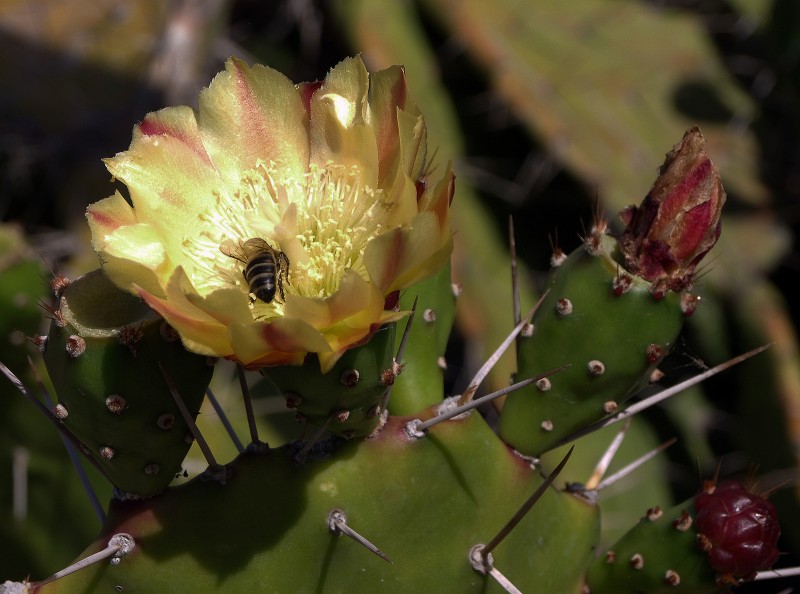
x,y
336,175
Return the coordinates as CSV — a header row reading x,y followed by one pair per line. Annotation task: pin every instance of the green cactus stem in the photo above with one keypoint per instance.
x,y
611,339
345,400
424,503
424,359
657,555
103,355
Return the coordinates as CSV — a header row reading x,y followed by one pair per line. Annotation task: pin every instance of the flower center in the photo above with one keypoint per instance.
x,y
340,217
322,223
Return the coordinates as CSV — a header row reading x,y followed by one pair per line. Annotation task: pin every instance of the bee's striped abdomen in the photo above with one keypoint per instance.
x,y
260,276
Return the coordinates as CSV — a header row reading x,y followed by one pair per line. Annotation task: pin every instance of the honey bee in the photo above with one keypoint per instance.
x,y
265,268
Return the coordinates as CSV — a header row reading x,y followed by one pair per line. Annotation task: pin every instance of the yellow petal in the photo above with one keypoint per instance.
x,y
166,167
150,265
402,195
346,318
106,216
199,331
226,306
437,199
388,93
346,341
413,143
117,236
251,114
130,275
170,184
340,128
177,122
140,238
354,295
401,257
275,342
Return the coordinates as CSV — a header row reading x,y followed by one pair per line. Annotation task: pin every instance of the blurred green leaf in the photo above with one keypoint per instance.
x,y
609,86
769,401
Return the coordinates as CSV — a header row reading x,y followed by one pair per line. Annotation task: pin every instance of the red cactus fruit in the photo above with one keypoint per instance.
x,y
737,528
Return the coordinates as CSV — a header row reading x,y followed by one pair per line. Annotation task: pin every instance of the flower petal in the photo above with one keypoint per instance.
x,y
170,183
353,296
177,122
341,130
328,359
413,143
106,216
150,263
116,236
388,93
200,332
402,191
227,306
279,341
401,257
437,199
251,114
166,168
347,317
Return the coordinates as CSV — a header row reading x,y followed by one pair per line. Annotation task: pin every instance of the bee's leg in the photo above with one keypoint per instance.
x,y
283,264
283,273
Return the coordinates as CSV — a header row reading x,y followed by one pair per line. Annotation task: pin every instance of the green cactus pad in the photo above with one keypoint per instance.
x,y
611,342
655,554
347,398
104,356
425,503
421,383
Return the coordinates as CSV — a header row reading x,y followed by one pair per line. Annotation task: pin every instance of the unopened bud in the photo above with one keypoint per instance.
x,y
679,220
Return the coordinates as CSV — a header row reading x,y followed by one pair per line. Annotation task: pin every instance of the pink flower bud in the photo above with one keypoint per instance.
x,y
679,220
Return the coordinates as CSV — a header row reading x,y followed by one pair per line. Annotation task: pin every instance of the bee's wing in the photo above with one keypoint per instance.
x,y
232,249
256,246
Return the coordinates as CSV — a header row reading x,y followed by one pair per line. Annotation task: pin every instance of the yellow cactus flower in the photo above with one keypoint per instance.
x,y
331,176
